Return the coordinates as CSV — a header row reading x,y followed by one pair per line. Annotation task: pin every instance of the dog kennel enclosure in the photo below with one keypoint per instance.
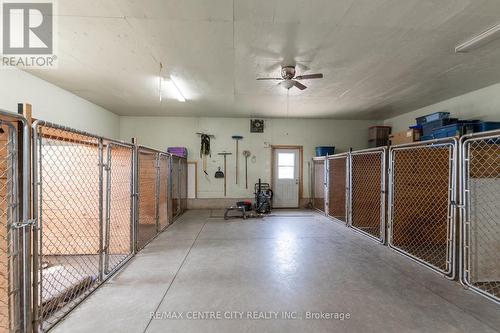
x,y
480,218
434,202
94,203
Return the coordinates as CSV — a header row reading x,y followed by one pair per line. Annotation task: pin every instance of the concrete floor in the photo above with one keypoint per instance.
x,y
294,262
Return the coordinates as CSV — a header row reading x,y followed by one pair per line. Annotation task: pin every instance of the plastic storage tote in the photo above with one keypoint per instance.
x,y
432,117
324,150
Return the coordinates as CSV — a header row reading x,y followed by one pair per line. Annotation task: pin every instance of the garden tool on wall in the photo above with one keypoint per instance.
x,y
237,138
223,173
247,154
219,173
205,150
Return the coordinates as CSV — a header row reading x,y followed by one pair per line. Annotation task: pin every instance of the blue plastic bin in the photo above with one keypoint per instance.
x,y
426,137
324,150
485,126
432,117
427,128
458,129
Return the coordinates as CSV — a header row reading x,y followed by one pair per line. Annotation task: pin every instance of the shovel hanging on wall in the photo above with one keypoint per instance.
x,y
236,138
247,154
224,173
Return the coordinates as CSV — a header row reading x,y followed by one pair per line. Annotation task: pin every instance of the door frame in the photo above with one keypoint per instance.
x,y
301,168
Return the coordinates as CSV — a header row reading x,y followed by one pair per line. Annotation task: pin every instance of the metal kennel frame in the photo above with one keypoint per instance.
x,y
164,209
480,214
158,193
84,198
175,176
83,204
318,186
183,175
118,167
148,170
337,189
422,206
15,266
367,184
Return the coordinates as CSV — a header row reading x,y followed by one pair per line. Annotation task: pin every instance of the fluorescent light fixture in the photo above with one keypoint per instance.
x,y
178,94
172,87
479,40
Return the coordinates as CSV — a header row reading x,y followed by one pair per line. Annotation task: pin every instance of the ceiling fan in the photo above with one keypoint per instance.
x,y
289,80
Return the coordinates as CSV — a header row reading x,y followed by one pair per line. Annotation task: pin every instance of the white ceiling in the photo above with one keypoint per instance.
x,y
379,57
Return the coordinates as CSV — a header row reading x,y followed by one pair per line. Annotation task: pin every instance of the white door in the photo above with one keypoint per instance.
x,y
286,178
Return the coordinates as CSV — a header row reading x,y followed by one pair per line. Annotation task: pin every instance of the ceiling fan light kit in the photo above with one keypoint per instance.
x,y
289,80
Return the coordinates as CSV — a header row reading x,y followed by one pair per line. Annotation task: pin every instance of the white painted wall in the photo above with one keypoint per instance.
x,y
482,104
161,132
54,104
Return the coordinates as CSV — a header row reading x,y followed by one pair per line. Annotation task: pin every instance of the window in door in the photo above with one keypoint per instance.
x,y
286,165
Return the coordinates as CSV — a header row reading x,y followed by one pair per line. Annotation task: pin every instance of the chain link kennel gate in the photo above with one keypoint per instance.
x,y
367,192
15,233
480,241
118,220
10,256
148,186
82,200
176,186
67,203
422,203
338,189
164,191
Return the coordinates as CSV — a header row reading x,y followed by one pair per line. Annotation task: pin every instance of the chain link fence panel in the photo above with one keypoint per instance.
x,y
338,187
176,186
10,255
318,184
367,195
164,191
118,245
96,201
422,195
69,205
481,219
147,226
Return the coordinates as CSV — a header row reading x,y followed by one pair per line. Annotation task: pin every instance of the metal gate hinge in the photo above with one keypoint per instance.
x,y
105,166
22,224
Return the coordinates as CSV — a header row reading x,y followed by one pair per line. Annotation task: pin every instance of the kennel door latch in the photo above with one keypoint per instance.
x,y
22,224
456,204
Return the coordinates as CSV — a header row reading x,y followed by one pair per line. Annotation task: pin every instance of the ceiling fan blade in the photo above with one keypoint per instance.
x,y
269,78
299,85
309,76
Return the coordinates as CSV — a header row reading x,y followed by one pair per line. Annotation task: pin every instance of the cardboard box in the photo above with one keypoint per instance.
x,y
409,136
